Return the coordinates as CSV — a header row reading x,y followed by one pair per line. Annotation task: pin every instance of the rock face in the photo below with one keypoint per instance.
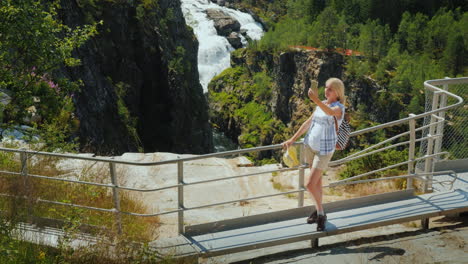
x,y
291,73
141,87
295,71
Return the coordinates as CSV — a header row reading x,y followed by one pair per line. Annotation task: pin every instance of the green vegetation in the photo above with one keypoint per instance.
x,y
14,210
245,102
137,228
176,63
34,44
402,44
129,121
377,161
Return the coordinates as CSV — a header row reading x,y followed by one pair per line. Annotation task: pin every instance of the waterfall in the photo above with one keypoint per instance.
x,y
214,52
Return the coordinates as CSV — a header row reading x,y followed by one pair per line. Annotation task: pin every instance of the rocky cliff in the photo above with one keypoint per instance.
x,y
289,75
141,87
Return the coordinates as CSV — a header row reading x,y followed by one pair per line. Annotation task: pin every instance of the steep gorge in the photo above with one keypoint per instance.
x,y
141,89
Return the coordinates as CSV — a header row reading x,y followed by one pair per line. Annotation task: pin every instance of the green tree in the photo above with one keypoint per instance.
x,y
326,28
33,45
454,56
341,32
411,33
374,40
437,31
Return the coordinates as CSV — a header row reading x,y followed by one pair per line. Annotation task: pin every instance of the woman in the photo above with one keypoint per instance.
x,y
320,140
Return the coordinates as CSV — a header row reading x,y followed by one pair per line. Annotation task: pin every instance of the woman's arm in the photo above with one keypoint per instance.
x,y
304,127
333,111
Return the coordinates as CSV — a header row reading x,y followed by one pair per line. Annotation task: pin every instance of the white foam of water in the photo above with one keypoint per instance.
x,y
214,52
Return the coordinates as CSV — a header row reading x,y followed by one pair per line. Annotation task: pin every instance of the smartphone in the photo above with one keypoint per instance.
x,y
314,87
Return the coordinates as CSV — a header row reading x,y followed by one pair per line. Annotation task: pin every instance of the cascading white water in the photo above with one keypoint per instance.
x,y
214,52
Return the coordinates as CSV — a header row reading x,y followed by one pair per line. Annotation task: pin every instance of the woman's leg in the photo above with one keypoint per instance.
x,y
314,186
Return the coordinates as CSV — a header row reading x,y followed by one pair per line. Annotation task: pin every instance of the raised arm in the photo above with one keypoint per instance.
x,y
333,111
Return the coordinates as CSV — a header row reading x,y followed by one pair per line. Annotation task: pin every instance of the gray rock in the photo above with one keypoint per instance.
x,y
235,40
224,23
5,99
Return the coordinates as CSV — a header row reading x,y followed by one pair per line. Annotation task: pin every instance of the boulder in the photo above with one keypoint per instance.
x,y
224,23
5,99
235,40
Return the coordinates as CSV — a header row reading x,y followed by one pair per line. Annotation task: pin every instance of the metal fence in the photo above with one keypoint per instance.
x,y
455,129
109,179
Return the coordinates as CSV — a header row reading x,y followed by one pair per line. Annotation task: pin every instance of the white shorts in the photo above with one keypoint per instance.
x,y
312,157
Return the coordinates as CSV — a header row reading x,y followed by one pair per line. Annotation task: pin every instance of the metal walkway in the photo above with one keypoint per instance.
x,y
289,226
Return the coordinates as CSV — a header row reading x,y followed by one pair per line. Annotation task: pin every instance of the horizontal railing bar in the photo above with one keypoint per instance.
x,y
388,140
124,162
78,206
338,162
372,180
152,190
149,190
89,207
243,175
418,175
168,212
92,183
11,173
149,215
72,181
376,145
246,199
431,124
394,166
459,80
216,204
368,153
61,203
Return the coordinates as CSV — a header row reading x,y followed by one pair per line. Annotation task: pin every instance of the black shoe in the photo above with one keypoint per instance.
x,y
321,219
312,218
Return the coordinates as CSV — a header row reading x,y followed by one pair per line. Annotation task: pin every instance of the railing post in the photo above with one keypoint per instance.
x,y
180,196
300,185
428,168
440,126
24,174
412,146
116,198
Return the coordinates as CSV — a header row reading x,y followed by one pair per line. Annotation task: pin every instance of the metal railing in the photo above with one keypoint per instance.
x,y
435,126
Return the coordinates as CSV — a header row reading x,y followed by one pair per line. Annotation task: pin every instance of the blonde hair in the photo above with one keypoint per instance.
x,y
338,87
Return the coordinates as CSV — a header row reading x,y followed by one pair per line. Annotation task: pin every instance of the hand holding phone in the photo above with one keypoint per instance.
x,y
313,90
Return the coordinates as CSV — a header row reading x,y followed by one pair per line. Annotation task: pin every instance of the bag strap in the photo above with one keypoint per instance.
x,y
336,124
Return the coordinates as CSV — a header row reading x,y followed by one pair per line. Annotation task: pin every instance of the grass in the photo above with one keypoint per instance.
x,y
134,228
22,205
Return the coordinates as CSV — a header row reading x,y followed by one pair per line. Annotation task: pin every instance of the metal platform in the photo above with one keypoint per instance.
x,y
288,226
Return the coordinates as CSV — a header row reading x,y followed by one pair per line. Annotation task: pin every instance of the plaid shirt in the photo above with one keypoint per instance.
x,y
326,136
